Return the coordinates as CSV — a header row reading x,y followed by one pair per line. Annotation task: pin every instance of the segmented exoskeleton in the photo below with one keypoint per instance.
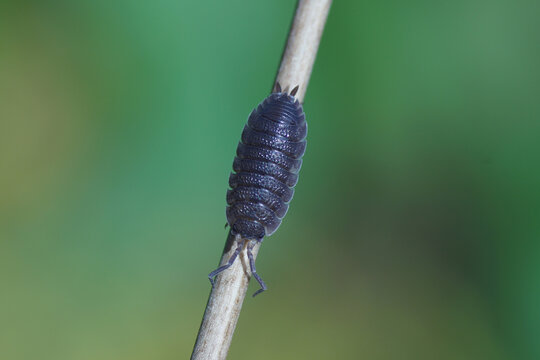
x,y
266,166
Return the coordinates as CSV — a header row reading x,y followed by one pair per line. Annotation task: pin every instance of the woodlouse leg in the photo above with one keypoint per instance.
x,y
229,263
254,270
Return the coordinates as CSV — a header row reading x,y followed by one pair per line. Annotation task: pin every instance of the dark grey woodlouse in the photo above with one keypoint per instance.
x,y
266,166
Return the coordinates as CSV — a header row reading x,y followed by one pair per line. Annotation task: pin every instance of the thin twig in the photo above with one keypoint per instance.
x,y
227,296
302,45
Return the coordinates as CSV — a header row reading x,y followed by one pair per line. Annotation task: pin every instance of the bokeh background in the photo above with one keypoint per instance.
x,y
414,232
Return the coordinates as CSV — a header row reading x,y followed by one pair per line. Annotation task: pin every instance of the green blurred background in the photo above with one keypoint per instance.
x,y
414,232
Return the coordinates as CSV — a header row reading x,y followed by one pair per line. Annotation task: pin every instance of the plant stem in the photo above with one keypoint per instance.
x,y
302,45
227,295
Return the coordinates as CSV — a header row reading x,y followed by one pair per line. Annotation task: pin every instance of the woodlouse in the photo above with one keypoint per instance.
x,y
266,166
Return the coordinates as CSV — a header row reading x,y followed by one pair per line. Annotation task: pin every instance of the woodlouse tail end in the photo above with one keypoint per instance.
x,y
278,87
295,90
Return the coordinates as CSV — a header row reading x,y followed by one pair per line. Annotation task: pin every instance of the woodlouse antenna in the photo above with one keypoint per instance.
x,y
278,87
295,90
220,269
253,269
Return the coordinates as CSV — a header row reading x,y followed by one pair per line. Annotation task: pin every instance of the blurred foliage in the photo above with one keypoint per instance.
x,y
414,230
